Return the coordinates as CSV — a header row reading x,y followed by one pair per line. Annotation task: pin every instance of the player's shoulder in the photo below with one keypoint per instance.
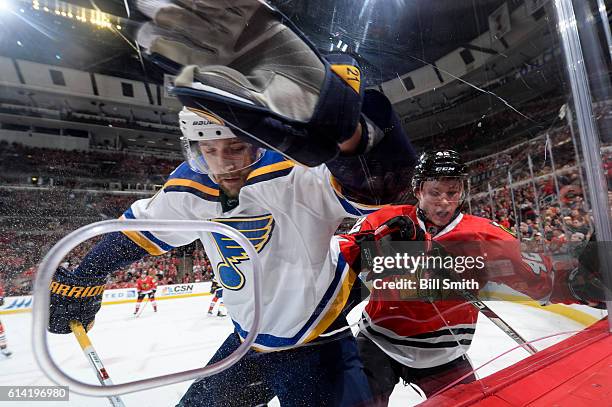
x,y
487,227
473,220
390,211
184,179
272,165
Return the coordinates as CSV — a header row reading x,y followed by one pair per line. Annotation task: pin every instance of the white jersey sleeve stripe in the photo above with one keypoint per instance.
x,y
278,167
192,187
141,240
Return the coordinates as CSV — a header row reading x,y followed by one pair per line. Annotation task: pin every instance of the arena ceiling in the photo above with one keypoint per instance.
x,y
390,37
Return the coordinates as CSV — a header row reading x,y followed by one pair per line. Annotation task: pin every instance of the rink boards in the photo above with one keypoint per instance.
x,y
17,304
181,336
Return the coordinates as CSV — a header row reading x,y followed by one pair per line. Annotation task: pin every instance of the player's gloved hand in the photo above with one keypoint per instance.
x,y
1,301
433,275
248,65
586,288
400,228
397,235
582,276
73,299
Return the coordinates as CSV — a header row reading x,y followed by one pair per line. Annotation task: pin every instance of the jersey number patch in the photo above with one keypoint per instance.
x,y
535,262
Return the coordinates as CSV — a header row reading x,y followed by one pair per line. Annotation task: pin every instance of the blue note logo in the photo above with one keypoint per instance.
x,y
257,229
19,303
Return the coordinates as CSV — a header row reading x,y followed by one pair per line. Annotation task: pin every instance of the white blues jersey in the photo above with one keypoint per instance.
x,y
289,213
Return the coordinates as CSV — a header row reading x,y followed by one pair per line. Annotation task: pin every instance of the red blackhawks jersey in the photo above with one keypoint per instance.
x,y
146,284
422,334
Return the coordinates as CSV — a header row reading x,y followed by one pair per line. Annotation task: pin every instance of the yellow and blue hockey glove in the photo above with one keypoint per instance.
x,y
73,299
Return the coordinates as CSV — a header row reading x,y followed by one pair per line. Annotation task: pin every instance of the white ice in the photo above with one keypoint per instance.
x,y
181,336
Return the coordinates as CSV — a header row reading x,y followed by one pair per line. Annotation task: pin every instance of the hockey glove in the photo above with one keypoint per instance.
x,y
248,66
74,299
400,236
1,301
586,288
585,280
387,241
434,274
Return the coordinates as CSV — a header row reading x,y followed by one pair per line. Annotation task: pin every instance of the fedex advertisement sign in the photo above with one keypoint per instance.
x,y
120,294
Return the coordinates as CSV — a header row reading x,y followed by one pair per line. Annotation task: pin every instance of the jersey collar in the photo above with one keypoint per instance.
x,y
449,227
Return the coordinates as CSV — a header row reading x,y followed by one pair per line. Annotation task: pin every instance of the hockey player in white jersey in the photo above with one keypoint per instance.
x,y
263,86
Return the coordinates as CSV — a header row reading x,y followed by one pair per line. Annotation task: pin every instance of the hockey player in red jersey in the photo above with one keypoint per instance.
x,y
3,345
146,285
422,333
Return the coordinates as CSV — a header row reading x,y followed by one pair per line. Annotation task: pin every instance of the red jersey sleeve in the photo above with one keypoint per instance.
x,y
530,273
348,242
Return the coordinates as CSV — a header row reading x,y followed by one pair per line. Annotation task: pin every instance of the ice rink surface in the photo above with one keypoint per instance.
x,y
181,336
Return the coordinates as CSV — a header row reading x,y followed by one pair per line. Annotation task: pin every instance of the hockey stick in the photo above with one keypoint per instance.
x,y
94,360
493,316
141,310
498,321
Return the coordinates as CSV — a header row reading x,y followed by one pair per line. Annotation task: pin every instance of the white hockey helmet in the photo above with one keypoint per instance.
x,y
199,127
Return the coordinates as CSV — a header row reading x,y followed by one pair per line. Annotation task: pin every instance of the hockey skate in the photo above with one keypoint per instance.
x,y
6,352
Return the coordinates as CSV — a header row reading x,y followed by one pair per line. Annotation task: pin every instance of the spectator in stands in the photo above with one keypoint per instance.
x,y
578,225
558,241
505,222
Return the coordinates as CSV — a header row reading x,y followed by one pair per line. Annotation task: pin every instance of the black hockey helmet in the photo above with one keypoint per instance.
x,y
438,164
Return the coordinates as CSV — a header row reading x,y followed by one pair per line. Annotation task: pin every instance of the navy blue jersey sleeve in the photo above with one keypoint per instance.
x,y
381,171
112,253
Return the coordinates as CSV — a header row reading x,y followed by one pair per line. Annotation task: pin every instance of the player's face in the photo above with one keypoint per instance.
x,y
440,199
229,162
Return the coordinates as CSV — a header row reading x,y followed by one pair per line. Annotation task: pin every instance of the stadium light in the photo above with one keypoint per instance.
x,y
5,5
96,18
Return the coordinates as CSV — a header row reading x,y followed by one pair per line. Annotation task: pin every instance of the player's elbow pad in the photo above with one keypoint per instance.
x,y
381,170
